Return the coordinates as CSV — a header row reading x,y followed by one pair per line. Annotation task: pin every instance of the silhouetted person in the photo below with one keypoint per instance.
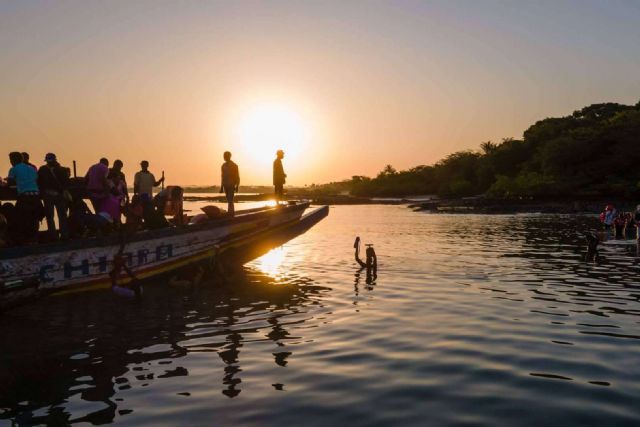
x,y
119,196
229,180
25,160
53,181
98,186
144,181
28,208
118,179
279,177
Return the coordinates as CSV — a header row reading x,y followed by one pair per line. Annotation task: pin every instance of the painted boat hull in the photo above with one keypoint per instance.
x,y
30,272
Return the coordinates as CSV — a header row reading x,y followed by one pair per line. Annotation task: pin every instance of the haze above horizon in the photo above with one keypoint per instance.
x,y
343,87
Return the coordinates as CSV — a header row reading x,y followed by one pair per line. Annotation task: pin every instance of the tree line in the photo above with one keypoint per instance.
x,y
593,152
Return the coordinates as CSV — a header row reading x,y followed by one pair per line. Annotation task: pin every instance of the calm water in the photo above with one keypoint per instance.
x,y
473,320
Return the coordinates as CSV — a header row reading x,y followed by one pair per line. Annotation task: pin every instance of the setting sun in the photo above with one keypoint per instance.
x,y
266,128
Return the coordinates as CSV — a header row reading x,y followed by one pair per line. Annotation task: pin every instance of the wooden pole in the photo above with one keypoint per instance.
x,y
75,175
163,180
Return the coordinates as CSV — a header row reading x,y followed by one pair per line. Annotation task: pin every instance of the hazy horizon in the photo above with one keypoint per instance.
x,y
344,88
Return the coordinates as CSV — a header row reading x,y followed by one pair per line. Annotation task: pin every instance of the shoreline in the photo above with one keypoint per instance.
x,y
481,205
468,205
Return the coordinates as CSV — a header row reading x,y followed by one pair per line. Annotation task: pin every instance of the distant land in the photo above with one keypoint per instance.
x,y
590,154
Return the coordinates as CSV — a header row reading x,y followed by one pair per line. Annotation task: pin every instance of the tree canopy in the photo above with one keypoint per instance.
x,y
593,152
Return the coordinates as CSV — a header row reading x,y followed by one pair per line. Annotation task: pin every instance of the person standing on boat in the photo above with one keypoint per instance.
x,y
53,181
98,186
144,181
279,177
119,196
229,180
28,208
25,160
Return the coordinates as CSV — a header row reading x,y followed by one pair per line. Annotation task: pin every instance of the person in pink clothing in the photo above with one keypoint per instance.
x,y
98,186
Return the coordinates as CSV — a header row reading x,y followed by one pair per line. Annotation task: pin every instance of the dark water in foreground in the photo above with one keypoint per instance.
x,y
472,320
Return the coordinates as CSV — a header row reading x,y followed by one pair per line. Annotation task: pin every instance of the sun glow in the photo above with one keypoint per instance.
x,y
270,263
266,128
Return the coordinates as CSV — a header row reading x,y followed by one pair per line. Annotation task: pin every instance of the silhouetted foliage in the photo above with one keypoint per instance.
x,y
593,152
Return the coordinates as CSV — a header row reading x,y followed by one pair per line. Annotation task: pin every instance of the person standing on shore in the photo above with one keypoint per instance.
x,y
279,177
144,181
229,180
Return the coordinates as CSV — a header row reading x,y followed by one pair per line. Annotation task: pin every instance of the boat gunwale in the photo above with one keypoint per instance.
x,y
116,239
219,249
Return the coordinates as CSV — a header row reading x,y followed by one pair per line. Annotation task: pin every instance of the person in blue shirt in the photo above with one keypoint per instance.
x,y
23,176
28,205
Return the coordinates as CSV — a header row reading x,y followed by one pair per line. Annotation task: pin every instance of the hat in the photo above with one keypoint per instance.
x,y
50,157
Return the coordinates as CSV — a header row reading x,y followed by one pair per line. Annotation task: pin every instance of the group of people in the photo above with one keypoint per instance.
x,y
230,179
45,192
622,224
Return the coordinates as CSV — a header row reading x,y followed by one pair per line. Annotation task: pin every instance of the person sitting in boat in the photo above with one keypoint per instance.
x,y
152,218
29,208
53,181
229,180
169,202
98,186
134,213
84,223
144,181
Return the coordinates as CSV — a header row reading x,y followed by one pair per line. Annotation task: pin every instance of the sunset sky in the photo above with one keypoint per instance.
x,y
343,87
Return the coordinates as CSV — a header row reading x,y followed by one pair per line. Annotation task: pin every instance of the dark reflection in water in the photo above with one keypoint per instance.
x,y
473,320
57,356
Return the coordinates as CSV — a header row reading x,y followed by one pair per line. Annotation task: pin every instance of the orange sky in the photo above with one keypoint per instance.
x,y
368,83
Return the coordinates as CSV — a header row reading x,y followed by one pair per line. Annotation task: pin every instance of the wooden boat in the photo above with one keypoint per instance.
x,y
28,272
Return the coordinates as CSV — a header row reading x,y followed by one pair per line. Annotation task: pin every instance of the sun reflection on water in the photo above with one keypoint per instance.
x,y
271,262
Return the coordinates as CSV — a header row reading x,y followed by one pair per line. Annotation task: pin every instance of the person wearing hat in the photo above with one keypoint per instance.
x,y
53,181
279,177
144,181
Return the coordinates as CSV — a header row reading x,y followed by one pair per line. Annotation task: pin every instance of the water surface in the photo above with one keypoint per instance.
x,y
472,320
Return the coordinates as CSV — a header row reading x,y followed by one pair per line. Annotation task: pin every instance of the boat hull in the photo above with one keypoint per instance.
x,y
87,264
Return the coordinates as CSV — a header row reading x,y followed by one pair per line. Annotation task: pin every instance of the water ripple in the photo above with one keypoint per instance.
x,y
472,319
